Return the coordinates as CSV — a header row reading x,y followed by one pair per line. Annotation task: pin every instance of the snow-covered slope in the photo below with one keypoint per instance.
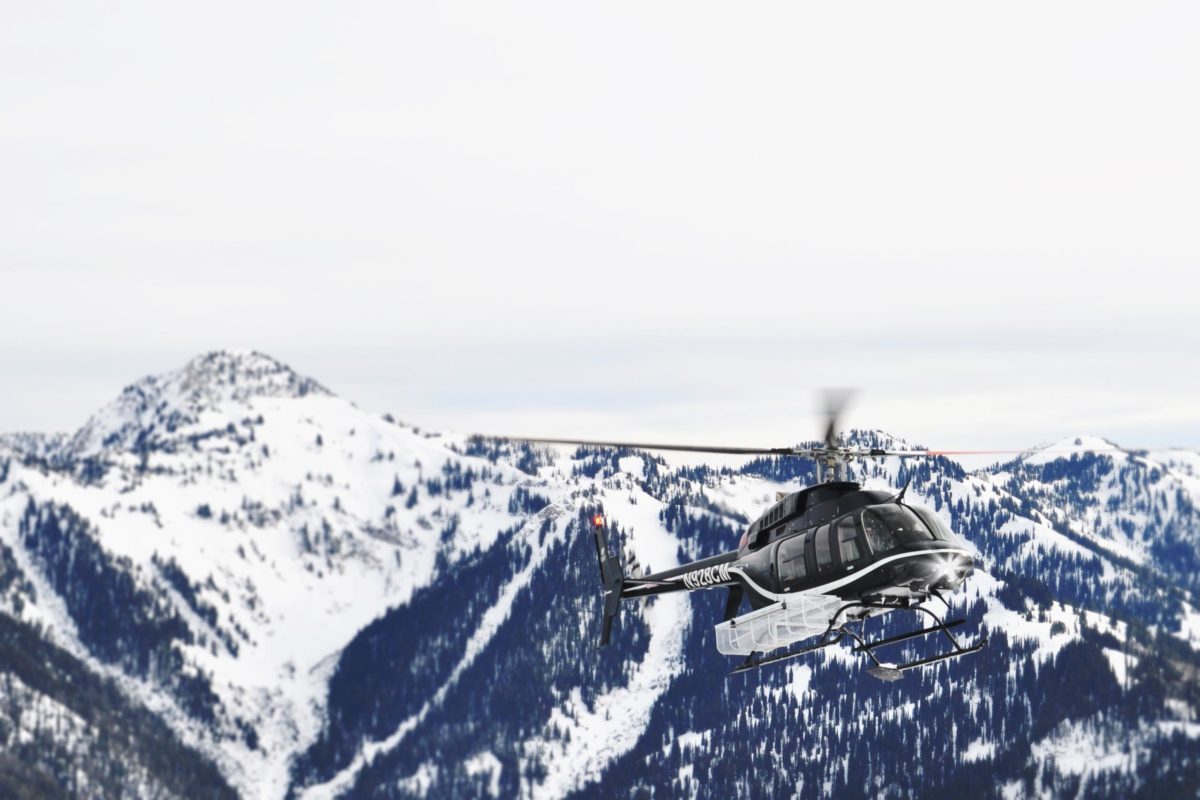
x,y
272,519
324,602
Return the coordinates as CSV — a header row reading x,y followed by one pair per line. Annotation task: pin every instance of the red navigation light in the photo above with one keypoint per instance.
x,y
598,520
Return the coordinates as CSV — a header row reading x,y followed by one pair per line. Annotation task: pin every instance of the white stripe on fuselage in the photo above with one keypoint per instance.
x,y
825,588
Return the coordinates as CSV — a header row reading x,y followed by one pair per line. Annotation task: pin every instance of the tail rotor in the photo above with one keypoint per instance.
x,y
612,577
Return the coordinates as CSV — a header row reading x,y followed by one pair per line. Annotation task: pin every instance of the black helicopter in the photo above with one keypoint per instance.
x,y
820,562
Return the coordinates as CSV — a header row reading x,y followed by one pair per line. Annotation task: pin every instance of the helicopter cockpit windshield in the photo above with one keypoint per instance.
x,y
939,529
900,522
904,525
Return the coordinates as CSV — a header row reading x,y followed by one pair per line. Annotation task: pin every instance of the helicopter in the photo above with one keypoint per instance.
x,y
820,562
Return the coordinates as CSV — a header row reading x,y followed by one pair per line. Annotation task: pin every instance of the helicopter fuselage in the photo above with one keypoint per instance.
x,y
830,539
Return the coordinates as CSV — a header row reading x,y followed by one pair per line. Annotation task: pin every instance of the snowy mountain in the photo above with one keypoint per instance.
x,y
272,593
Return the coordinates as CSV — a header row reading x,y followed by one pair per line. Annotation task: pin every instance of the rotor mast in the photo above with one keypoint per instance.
x,y
833,460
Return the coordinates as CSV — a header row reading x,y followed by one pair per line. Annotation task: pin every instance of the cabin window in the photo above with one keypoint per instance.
x,y
879,539
792,568
759,537
824,551
847,533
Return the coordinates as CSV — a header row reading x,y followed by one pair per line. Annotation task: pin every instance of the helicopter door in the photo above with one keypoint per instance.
x,y
824,548
878,536
849,538
790,555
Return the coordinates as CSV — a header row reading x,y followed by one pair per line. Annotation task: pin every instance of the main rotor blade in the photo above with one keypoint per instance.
x,y
933,453
684,448
1028,452
840,453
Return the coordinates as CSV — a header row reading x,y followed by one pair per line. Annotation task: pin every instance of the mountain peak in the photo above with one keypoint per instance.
x,y
1072,445
162,403
239,375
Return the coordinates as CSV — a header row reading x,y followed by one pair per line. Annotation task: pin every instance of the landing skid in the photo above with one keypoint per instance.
x,y
753,662
839,629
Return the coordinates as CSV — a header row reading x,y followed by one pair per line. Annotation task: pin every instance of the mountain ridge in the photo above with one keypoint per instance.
x,y
288,549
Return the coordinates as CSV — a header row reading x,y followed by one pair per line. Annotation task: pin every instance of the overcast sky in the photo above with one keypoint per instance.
x,y
667,219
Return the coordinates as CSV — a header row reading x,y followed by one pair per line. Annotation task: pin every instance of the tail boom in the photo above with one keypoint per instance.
x,y
703,574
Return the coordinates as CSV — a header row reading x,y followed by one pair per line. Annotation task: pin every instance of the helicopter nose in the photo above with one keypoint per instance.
x,y
949,573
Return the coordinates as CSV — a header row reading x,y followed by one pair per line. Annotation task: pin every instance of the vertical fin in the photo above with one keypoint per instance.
x,y
612,577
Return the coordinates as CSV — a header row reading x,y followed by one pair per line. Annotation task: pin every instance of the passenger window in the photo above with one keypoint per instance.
x,y
847,532
876,531
824,551
792,568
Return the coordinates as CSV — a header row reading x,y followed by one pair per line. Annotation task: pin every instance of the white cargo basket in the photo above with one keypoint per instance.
x,y
777,625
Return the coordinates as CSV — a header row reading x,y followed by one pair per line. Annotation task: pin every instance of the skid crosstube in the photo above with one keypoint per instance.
x,y
838,630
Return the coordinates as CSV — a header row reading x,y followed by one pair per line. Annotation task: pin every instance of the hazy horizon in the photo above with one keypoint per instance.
x,y
674,221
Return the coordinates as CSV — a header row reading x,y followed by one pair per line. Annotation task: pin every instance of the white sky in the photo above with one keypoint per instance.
x,y
615,219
